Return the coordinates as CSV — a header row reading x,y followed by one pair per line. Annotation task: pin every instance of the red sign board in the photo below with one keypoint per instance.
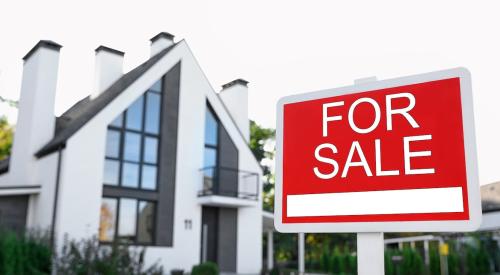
x,y
393,155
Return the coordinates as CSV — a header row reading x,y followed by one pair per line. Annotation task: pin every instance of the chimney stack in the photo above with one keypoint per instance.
x,y
36,121
235,96
160,42
108,68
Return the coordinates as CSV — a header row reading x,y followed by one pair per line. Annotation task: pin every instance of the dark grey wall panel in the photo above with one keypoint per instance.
x,y
168,157
209,221
227,239
116,191
13,211
228,162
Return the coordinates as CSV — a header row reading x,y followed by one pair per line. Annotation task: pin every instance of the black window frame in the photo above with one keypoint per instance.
x,y
143,134
215,179
118,191
116,236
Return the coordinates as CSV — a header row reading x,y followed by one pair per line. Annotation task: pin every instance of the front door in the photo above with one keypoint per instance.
x,y
218,237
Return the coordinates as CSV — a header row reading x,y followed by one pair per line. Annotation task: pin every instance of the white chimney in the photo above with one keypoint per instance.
x,y
108,68
160,42
235,96
36,121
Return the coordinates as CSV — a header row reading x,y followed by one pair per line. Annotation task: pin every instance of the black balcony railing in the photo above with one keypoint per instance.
x,y
229,182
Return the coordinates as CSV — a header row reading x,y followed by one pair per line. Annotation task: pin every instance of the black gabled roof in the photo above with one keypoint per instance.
x,y
84,110
4,165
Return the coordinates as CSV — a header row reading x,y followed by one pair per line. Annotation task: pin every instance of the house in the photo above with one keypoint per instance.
x,y
490,202
153,157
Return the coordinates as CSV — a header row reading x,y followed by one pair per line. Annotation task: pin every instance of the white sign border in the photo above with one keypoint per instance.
x,y
474,200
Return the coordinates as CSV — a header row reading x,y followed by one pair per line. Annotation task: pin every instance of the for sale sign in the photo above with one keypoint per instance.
x,y
394,155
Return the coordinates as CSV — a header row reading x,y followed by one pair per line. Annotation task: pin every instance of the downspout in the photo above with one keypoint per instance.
x,y
56,198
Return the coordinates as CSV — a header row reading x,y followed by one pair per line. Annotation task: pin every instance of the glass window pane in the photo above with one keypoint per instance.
x,y
209,163
148,177
107,225
118,122
152,113
111,171
113,144
210,158
130,175
134,115
132,146
156,87
127,219
150,149
145,226
210,128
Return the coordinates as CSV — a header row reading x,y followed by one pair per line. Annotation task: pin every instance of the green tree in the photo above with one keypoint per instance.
x,y
6,134
262,146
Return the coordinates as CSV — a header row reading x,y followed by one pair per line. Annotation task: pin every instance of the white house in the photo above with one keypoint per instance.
x,y
154,157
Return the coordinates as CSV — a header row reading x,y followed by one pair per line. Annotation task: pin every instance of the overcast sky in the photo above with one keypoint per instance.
x,y
281,47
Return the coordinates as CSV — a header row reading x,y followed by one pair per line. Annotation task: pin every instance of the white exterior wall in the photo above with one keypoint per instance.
x,y
236,100
42,205
82,166
4,179
80,189
108,69
36,121
159,44
35,127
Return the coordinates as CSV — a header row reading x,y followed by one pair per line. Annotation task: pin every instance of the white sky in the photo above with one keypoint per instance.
x,y
281,47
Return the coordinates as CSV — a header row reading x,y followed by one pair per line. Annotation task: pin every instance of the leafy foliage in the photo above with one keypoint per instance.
x,y
434,258
261,144
390,268
258,138
412,262
6,135
477,259
24,255
10,102
88,257
206,268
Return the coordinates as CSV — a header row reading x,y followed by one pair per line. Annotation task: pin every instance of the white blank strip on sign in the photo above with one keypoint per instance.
x,y
410,201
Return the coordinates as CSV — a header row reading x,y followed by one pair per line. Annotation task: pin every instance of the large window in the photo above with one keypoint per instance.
x,y
129,220
211,151
132,144
131,164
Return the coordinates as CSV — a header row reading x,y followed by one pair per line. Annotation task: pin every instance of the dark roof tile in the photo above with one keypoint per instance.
x,y
84,110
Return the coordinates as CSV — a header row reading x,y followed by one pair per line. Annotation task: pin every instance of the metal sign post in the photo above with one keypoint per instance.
x,y
370,246
370,253
301,242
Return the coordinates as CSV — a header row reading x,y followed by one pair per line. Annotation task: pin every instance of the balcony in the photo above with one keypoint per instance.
x,y
228,187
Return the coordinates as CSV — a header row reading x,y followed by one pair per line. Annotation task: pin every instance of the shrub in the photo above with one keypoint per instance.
x,y
352,264
336,262
24,254
412,262
390,266
206,268
177,272
477,260
453,263
339,262
88,257
275,271
435,261
324,262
